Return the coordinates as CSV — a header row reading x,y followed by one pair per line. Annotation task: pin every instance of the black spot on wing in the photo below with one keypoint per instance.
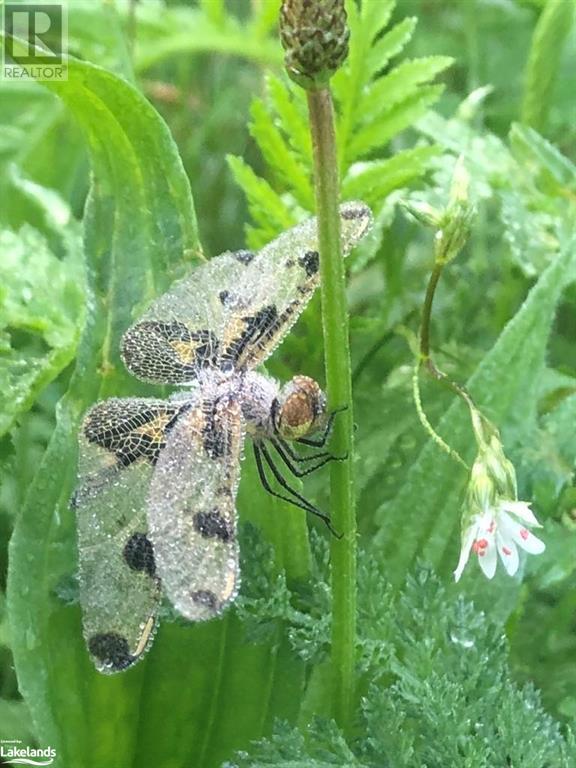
x,y
311,262
224,296
256,328
205,597
244,257
139,554
352,212
211,525
112,650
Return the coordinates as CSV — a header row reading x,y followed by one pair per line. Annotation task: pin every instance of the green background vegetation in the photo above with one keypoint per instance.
x,y
169,103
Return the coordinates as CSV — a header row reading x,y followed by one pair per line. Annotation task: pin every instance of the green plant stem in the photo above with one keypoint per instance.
x,y
425,357
339,391
425,361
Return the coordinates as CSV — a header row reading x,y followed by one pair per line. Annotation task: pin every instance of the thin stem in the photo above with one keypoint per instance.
x,y
427,311
339,390
425,358
428,363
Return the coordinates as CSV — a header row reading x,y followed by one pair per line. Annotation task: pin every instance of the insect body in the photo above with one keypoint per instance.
x,y
158,478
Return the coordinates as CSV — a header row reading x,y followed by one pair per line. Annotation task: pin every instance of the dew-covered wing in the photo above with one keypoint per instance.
x,y
231,312
191,509
120,441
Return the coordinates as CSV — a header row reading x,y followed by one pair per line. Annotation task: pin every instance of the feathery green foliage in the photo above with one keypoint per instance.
x,y
372,107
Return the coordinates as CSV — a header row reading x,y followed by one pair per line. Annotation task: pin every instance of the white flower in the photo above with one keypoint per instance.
x,y
499,530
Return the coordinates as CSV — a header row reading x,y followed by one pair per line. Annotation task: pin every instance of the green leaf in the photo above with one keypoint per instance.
x,y
374,181
552,170
551,32
402,82
291,109
139,232
423,518
41,311
281,159
267,209
389,45
174,30
215,11
379,132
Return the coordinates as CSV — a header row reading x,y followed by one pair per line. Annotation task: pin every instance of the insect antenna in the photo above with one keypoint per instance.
x,y
299,500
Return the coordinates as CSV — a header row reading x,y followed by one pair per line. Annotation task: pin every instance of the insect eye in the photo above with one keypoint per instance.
x,y
300,408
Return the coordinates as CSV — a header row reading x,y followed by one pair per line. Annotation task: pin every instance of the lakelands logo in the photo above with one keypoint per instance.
x,y
11,754
35,41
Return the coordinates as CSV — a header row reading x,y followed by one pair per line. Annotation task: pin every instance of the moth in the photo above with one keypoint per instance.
x,y
157,479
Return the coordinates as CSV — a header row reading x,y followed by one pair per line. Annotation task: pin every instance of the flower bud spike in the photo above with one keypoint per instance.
x,y
315,36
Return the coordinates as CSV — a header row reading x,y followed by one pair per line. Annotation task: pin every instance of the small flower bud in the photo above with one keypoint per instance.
x,y
457,218
423,212
315,35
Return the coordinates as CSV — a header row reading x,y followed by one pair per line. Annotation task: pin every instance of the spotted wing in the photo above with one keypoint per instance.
x,y
191,509
231,312
120,442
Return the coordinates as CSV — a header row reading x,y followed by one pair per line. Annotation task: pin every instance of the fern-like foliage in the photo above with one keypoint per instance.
x,y
373,103
447,698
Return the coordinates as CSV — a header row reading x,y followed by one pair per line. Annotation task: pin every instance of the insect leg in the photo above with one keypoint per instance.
x,y
288,459
321,441
295,456
299,500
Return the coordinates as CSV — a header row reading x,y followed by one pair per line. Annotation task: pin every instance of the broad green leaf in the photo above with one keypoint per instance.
x,y
215,11
553,28
424,516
